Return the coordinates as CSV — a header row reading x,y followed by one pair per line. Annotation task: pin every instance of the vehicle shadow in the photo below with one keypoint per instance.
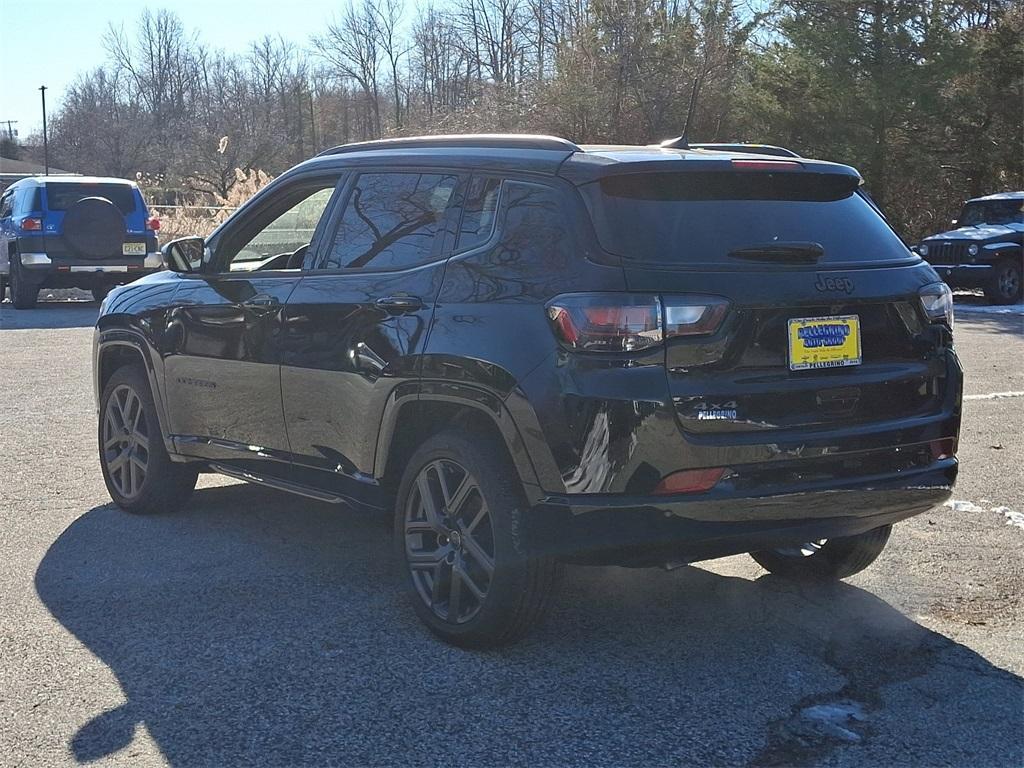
x,y
49,314
255,628
992,323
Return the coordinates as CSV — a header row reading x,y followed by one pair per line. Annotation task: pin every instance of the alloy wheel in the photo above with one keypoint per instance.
x,y
1009,282
125,441
449,541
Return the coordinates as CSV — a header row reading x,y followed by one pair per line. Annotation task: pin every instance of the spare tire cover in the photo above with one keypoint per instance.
x,y
94,228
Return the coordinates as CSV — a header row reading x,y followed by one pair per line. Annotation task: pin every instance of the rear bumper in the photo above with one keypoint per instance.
x,y
64,272
966,275
651,530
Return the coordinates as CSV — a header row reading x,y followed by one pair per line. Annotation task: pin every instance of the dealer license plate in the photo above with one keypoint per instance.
x,y
824,342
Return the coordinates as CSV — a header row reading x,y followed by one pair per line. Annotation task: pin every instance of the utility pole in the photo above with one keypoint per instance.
x,y
10,131
46,147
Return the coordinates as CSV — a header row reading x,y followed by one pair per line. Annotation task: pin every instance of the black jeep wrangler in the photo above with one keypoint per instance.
x,y
529,352
985,250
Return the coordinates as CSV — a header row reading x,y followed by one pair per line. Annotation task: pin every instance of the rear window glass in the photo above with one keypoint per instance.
x,y
700,218
62,195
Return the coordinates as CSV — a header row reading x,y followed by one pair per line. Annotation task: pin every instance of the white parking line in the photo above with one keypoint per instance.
x,y
994,396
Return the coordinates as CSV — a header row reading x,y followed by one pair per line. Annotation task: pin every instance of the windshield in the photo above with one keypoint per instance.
x,y
62,195
700,218
992,212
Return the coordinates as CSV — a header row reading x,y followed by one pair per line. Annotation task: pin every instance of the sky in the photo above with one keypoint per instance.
x,y
49,42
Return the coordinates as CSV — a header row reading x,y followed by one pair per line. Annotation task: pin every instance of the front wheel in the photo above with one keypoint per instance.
x,y
100,293
139,475
825,559
457,521
1006,284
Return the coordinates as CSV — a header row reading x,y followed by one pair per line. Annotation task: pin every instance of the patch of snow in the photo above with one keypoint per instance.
x,y
988,309
994,396
833,719
1012,517
963,506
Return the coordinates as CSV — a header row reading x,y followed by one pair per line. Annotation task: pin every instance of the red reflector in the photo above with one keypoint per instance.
x,y
153,224
690,481
134,266
943,449
63,269
32,225
766,165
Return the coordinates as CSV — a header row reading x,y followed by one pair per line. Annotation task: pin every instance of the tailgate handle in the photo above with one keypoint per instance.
x,y
784,253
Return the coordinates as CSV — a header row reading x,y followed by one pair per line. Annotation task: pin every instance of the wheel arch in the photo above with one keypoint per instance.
x,y
410,418
118,348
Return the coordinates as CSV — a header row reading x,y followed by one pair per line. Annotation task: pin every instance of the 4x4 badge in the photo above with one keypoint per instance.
x,y
843,284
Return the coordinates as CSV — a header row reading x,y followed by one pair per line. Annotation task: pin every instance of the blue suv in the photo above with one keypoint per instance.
x,y
73,232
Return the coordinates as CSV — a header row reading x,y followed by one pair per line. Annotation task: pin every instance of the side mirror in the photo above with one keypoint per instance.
x,y
184,254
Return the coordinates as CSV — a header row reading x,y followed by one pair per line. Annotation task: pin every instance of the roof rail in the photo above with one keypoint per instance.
x,y
754,149
481,140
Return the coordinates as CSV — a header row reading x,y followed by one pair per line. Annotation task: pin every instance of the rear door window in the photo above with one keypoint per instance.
x,y
698,218
62,195
391,221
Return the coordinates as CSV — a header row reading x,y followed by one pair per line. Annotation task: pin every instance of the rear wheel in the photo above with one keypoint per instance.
x,y
457,519
825,559
140,476
24,292
1005,286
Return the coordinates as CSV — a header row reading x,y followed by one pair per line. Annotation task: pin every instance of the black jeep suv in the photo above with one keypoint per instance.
x,y
986,250
533,353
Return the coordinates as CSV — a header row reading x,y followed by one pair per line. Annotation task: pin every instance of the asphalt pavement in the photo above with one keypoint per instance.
x,y
256,628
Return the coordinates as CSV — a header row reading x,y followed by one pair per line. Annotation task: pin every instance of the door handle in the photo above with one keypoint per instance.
x,y
264,300
398,305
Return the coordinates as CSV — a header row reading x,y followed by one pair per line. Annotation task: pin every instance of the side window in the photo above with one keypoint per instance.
x,y
278,235
6,205
28,200
534,226
479,212
390,221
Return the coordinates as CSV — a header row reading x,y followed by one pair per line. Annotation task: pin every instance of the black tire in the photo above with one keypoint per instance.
x,y
164,486
3,288
24,293
1006,284
834,559
100,293
517,591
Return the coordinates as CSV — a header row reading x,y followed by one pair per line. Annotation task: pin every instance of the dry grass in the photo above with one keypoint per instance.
x,y
200,214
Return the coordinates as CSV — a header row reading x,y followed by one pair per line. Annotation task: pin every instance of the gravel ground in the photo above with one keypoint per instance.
x,y
256,628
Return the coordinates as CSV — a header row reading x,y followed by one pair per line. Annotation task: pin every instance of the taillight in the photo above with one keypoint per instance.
x,y
31,225
693,315
153,224
937,303
606,322
628,322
